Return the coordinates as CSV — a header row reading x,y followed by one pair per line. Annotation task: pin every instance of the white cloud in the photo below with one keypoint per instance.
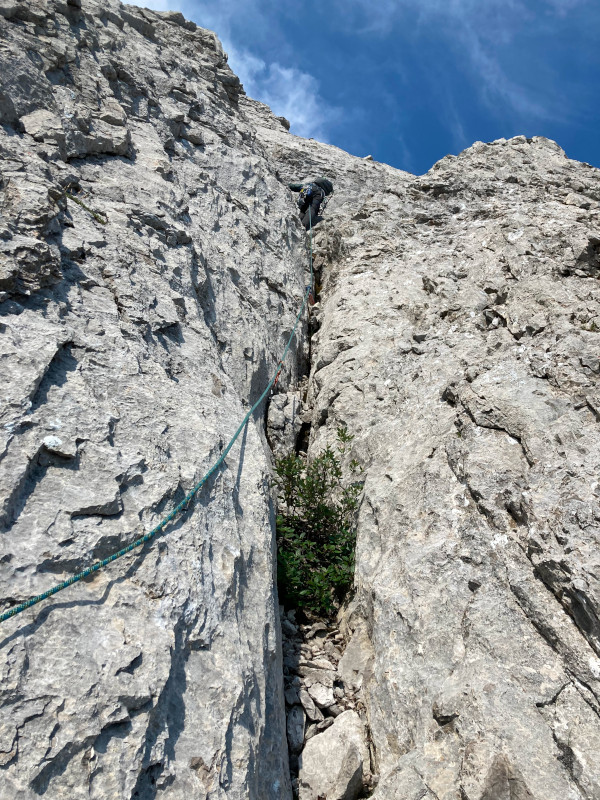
x,y
483,29
155,5
288,91
294,94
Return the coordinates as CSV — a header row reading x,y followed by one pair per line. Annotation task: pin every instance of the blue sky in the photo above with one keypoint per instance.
x,y
409,81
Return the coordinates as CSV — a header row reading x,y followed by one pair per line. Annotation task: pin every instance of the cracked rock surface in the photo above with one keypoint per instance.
x,y
151,264
151,267
322,696
459,327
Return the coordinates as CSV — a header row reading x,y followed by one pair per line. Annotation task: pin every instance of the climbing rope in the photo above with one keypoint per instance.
x,y
97,215
191,494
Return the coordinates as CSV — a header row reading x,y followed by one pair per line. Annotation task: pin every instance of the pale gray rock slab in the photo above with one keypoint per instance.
x,y
43,125
476,574
357,655
404,783
310,676
576,735
318,663
307,700
57,446
322,695
130,353
335,762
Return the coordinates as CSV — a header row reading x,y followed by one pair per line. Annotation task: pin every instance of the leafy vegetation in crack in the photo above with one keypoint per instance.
x,y
316,527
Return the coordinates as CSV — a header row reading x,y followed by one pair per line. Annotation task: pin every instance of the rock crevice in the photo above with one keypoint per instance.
x,y
150,260
452,324
151,265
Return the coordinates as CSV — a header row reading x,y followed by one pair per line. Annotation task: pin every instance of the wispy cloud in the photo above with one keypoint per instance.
x,y
382,17
482,30
563,7
288,91
454,124
495,84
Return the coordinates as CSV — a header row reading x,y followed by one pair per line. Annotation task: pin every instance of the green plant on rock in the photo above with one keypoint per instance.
x,y
316,527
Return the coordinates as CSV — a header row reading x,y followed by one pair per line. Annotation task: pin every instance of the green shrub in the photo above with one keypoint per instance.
x,y
316,528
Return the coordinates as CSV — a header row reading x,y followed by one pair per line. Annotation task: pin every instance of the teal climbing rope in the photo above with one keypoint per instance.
x,y
191,494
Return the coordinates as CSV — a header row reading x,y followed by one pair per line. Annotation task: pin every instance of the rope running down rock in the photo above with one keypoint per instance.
x,y
191,494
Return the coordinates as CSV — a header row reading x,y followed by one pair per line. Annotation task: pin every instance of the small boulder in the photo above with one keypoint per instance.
x,y
291,696
295,728
43,125
288,628
334,763
322,695
317,663
312,712
59,447
319,629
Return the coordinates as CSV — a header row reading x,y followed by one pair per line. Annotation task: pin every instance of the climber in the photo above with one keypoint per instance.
x,y
311,196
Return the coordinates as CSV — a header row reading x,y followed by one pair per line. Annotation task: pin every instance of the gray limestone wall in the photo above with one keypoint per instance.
x,y
151,267
130,353
458,333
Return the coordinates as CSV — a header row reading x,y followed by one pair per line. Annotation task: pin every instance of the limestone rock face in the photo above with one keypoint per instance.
x,y
333,762
151,266
284,422
458,339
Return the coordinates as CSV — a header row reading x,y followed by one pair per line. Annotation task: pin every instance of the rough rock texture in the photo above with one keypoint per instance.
x,y
284,422
333,763
318,691
130,352
456,336
458,340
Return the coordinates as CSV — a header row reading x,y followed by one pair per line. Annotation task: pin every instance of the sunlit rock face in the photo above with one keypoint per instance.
x,y
130,353
459,330
151,267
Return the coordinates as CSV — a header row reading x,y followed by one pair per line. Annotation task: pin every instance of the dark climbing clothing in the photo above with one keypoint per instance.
x,y
311,196
310,210
325,184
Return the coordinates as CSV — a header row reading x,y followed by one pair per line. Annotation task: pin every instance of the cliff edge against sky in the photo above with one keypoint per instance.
x,y
151,268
